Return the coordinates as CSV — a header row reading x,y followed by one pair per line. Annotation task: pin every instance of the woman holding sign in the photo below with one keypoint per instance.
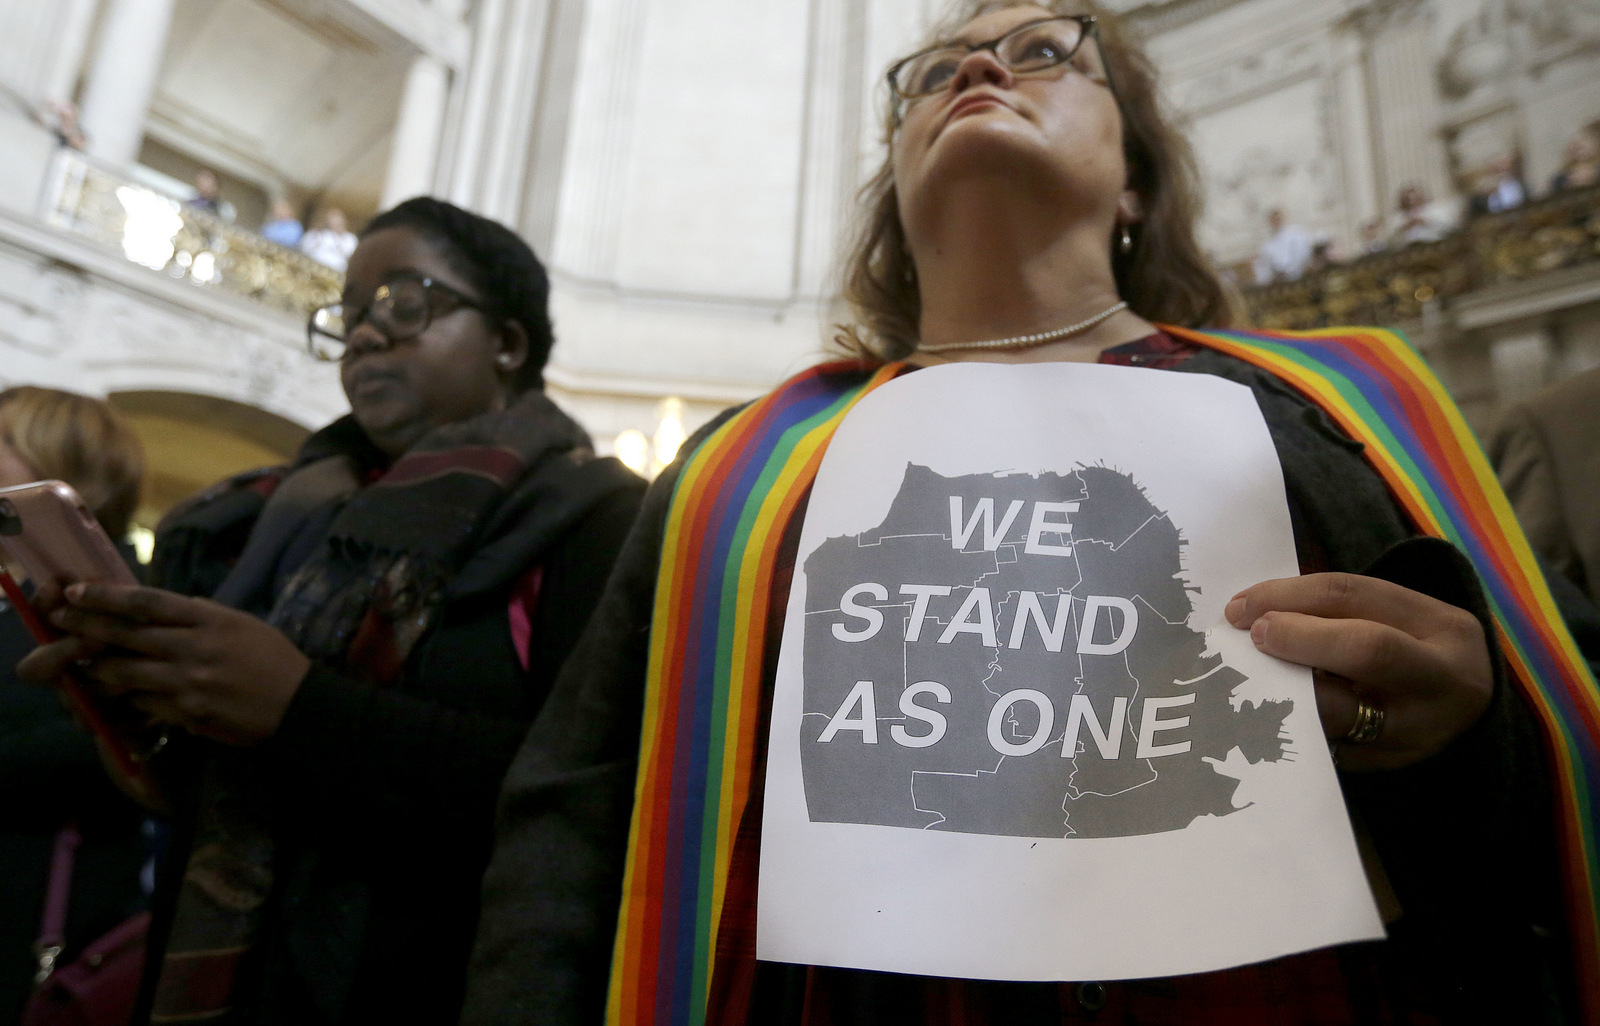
x,y
1035,208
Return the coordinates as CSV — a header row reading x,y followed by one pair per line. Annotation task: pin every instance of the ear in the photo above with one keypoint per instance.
x,y
1130,208
512,351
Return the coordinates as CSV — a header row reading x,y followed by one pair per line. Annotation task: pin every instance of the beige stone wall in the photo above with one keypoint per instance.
x,y
75,316
1325,108
687,168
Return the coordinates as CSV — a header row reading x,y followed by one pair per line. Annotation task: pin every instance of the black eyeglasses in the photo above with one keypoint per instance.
x,y
1028,49
401,309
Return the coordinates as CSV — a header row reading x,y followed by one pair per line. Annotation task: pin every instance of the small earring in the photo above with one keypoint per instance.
x,y
1127,240
504,359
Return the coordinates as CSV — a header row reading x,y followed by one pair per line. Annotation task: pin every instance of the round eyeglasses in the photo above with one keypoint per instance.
x,y
401,309
1028,49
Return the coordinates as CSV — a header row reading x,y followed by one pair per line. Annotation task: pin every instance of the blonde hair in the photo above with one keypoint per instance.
x,y
1165,279
79,440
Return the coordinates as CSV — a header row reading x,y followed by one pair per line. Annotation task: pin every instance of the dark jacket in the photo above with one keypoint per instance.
x,y
1546,451
1464,837
50,773
382,797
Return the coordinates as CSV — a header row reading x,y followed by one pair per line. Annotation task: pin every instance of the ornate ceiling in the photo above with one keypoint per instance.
x,y
282,94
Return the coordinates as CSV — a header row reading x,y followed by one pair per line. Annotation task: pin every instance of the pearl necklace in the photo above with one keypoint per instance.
x,y
1023,341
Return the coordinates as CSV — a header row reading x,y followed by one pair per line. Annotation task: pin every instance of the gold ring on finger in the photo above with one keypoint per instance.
x,y
1368,725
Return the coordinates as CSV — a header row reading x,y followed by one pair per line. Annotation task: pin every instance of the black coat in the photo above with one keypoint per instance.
x,y
49,774
382,798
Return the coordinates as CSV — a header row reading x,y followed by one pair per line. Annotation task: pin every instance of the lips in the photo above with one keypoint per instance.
x,y
370,381
977,101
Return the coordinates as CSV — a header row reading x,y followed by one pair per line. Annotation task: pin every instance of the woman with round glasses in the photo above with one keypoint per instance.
x,y
1026,212
379,621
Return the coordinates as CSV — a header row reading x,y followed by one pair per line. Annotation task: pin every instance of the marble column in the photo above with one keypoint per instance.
x,y
116,99
551,121
594,177
1362,202
463,153
37,41
76,18
1405,103
511,123
415,151
838,96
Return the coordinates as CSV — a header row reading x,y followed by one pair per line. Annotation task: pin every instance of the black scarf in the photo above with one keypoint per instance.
x,y
353,563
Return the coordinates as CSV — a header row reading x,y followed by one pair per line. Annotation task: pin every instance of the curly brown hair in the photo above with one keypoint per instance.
x,y
1166,278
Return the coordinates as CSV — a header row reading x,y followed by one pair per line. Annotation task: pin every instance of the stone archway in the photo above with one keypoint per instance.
x,y
193,441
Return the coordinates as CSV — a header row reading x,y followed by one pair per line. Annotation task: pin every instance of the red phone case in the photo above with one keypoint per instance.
x,y
48,531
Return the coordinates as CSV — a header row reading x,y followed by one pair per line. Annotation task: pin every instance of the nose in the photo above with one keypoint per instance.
x,y
366,338
978,68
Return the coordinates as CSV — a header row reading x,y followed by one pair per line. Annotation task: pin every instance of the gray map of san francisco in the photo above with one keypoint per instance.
x,y
1010,654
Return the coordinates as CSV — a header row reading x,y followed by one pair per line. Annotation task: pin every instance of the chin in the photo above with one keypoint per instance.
x,y
986,142
984,158
391,433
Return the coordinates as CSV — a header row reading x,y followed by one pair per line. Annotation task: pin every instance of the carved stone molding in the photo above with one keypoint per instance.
x,y
1481,51
1156,18
1373,19
432,28
1255,74
74,315
1560,27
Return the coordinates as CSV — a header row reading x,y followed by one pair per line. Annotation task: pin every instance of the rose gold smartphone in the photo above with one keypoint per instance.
x,y
49,535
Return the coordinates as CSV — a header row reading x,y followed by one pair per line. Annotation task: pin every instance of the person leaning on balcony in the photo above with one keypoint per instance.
x,y
50,774
330,243
281,225
1580,167
1031,182
1499,187
1420,218
1546,450
61,118
207,197
1372,237
385,617
1287,252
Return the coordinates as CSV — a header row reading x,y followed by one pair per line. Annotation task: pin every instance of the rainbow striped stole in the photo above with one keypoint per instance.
x,y
737,493
1378,389
731,504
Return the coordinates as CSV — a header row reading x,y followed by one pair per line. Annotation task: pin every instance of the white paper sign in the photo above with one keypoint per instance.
x,y
1013,736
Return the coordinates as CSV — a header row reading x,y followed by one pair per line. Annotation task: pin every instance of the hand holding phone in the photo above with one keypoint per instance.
x,y
215,671
50,538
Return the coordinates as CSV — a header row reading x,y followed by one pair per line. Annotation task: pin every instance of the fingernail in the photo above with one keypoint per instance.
x,y
1258,631
1234,610
74,592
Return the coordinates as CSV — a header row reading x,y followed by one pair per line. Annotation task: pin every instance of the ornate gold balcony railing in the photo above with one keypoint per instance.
x,y
1396,285
190,245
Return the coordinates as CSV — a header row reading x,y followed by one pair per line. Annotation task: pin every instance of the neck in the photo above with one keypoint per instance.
x,y
992,270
